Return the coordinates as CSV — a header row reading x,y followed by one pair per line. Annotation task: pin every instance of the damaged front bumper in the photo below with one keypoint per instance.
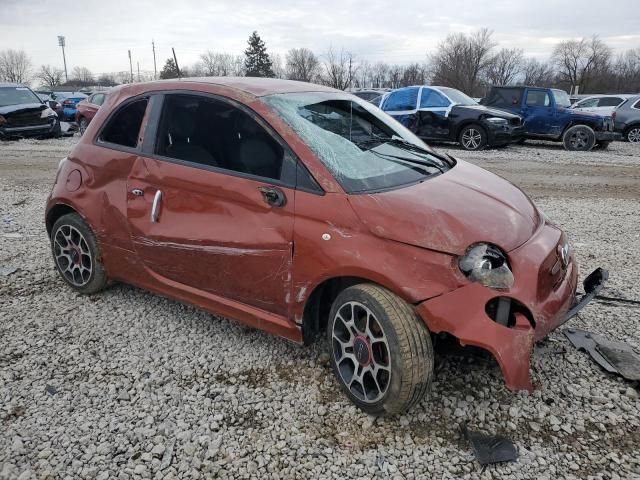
x,y
476,315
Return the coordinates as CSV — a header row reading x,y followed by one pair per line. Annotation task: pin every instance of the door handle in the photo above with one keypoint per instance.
x,y
273,196
155,207
137,192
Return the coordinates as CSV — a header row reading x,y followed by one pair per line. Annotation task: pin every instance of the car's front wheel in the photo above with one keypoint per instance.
x,y
381,352
579,138
632,135
76,254
472,137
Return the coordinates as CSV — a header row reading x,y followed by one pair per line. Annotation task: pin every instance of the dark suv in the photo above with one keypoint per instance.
x,y
447,114
23,114
627,119
548,116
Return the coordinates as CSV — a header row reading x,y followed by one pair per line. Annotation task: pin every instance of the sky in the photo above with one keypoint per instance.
x,y
99,32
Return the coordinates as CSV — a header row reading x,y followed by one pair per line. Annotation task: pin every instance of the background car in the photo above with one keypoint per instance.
x,y
69,101
600,104
86,109
369,94
447,114
627,119
548,115
23,114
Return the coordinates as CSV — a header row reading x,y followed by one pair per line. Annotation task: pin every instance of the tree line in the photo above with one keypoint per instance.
x,y
468,62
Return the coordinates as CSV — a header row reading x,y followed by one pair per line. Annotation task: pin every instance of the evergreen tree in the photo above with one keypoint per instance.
x,y
169,70
257,61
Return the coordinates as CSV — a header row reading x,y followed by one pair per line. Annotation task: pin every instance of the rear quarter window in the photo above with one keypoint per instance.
x,y
123,127
403,99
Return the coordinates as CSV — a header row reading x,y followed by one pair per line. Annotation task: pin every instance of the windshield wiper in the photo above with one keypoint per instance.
x,y
394,158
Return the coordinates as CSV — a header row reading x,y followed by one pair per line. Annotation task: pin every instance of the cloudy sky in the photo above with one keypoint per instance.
x,y
99,32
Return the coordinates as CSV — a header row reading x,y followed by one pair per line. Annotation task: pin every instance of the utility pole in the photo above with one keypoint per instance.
x,y
175,59
138,63
130,66
155,71
61,43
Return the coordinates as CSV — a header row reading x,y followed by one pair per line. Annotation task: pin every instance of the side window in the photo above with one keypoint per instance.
x,y
503,97
537,98
433,99
589,103
214,133
403,99
609,102
98,99
124,126
637,105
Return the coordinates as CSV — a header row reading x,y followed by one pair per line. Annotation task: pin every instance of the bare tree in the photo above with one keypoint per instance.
x,y
302,64
461,60
15,66
83,75
279,69
505,66
415,74
379,75
537,73
49,76
627,72
579,61
214,64
340,69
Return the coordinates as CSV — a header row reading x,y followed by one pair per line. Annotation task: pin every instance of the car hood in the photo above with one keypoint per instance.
x,y
482,110
22,108
449,212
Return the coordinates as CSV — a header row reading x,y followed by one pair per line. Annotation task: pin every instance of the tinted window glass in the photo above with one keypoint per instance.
x,y
217,134
123,127
432,99
503,97
403,99
637,105
609,102
537,98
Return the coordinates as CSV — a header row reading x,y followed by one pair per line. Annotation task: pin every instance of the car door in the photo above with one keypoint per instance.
x,y
433,115
537,111
402,104
210,204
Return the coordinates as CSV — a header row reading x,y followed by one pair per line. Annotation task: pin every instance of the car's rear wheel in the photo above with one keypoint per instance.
x,y
381,352
82,127
579,138
76,254
632,135
472,137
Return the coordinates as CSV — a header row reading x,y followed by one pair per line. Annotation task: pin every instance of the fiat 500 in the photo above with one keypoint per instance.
x,y
300,209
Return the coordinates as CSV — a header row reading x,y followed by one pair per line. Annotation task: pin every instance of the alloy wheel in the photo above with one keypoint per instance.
x,y
634,135
361,352
579,139
72,255
471,139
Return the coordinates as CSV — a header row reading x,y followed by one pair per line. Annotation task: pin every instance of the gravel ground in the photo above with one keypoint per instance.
x,y
126,384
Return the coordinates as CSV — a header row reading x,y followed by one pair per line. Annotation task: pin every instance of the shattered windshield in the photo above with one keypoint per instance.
x,y
17,96
562,98
457,96
365,149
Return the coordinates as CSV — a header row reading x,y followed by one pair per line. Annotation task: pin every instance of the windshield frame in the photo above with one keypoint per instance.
x,y
21,88
338,153
445,91
555,92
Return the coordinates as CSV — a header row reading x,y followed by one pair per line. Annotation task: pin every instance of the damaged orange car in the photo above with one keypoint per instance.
x,y
299,209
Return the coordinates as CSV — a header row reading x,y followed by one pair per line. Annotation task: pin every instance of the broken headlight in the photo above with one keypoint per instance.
x,y
486,264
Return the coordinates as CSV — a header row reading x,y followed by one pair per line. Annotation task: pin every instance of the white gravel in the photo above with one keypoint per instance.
x,y
126,384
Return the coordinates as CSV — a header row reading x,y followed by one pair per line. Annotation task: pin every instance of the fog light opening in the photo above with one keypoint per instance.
x,y
504,311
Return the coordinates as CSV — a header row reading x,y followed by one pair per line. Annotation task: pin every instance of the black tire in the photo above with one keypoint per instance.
x,y
82,125
521,141
632,134
472,137
579,138
72,257
409,363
